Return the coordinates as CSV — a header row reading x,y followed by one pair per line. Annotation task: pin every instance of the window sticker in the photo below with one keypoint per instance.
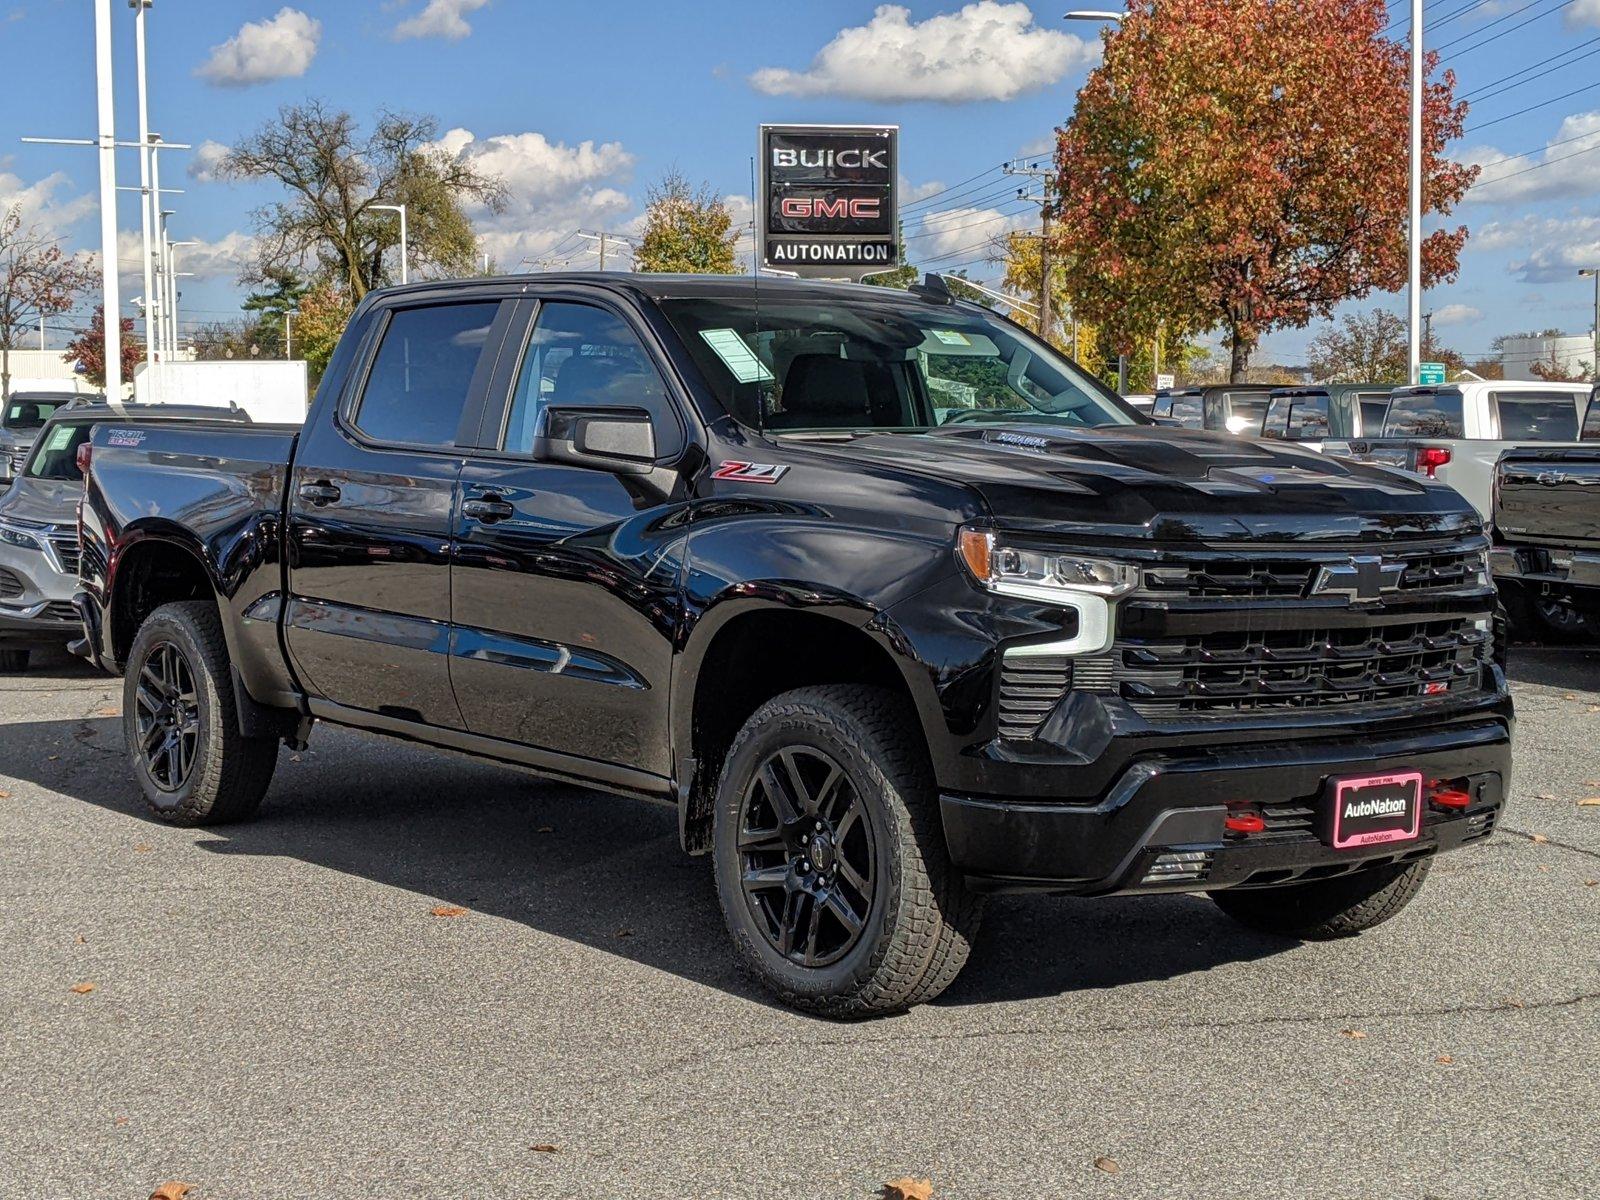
x,y
737,356
951,338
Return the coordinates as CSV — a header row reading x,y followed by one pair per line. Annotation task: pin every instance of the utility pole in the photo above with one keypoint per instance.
x,y
1414,281
602,239
1594,273
1043,200
1427,333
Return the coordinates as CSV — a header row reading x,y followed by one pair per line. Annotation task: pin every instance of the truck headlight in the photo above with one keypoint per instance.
x,y
16,537
1047,575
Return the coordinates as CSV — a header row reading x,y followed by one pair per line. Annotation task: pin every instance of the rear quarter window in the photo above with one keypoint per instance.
x,y
1591,421
1537,416
1427,414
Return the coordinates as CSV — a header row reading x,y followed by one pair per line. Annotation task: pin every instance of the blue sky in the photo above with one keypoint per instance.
x,y
580,106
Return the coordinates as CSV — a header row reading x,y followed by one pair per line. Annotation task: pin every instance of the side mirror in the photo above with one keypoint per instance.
x,y
1169,422
619,440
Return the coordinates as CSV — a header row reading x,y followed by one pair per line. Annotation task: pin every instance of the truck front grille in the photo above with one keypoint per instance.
x,y
1253,670
1029,689
1214,576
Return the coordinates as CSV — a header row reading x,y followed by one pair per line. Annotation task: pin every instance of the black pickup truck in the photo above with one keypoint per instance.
x,y
1546,556
895,605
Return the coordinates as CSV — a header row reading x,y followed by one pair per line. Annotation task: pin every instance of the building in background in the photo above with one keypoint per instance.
x,y
1567,356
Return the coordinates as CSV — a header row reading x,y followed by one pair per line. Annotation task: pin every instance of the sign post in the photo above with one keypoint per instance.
x,y
828,207
1430,373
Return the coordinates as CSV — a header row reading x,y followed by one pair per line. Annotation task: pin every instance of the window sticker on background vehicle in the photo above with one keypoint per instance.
x,y
59,437
737,356
951,338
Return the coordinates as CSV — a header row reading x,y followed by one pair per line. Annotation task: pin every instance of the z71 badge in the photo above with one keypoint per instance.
x,y
749,472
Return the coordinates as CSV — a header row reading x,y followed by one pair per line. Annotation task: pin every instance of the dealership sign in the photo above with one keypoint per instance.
x,y
828,199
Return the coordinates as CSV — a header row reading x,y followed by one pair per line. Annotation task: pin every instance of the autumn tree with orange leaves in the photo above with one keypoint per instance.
x,y
1243,166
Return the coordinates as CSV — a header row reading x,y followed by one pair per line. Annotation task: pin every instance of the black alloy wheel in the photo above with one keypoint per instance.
x,y
807,856
167,717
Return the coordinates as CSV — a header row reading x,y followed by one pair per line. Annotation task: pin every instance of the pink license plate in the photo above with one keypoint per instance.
x,y
1376,809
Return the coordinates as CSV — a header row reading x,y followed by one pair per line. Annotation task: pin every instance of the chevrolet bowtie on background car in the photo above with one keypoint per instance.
x,y
894,605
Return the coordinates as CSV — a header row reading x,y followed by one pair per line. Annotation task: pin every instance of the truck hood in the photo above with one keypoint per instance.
x,y
47,501
1161,483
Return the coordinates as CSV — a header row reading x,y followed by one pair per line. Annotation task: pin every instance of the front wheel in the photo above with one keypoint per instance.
x,y
830,859
1327,908
180,724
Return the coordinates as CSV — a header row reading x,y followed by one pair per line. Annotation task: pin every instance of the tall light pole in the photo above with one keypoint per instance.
x,y
1594,273
172,292
1414,279
111,299
288,331
139,8
405,248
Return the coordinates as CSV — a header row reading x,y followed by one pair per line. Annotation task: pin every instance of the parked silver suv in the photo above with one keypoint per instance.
x,y
21,419
39,527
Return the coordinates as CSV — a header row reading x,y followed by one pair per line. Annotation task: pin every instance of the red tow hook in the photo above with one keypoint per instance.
x,y
1442,796
1244,822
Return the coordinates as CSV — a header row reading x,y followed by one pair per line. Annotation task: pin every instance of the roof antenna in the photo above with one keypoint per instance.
x,y
933,288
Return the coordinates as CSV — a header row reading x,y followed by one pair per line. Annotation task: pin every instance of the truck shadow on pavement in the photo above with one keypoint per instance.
x,y
596,869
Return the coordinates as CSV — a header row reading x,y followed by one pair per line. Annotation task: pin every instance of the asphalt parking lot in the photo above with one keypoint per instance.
x,y
276,1012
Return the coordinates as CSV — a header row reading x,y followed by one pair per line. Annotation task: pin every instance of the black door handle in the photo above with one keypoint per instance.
x,y
487,509
319,493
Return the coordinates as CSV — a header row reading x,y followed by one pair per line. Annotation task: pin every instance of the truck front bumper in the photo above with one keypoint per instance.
x,y
1160,826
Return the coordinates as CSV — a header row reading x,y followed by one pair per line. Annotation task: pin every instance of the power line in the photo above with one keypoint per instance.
x,y
1540,166
1588,87
1495,37
1542,63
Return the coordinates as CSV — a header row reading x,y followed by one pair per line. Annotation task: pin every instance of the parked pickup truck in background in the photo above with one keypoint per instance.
x,y
1546,556
1234,408
1309,416
1456,433
893,604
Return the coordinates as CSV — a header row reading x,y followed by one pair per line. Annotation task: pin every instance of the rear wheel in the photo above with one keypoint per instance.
x,y
1327,908
180,724
830,859
13,661
1547,620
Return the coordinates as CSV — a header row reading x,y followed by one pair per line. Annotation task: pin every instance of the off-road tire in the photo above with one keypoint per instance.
x,y
230,772
1327,908
1534,619
13,661
922,919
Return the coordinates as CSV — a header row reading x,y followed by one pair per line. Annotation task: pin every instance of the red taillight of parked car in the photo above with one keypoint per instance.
x,y
85,453
1431,458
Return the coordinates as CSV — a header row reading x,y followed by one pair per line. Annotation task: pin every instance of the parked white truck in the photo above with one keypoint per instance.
x,y
1455,433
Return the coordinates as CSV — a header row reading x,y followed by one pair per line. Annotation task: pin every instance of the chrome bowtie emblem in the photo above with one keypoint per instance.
x,y
1364,577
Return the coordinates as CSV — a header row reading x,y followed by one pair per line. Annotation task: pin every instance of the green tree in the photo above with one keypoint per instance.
x,y
1233,166
324,312
687,230
333,175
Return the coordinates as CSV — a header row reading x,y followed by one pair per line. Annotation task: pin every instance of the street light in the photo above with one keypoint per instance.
x,y
289,314
1594,273
405,253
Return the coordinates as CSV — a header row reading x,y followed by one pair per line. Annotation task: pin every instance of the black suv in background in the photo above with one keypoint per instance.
x,y
890,602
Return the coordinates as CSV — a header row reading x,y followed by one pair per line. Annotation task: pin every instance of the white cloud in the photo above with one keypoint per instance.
x,y
207,155
42,203
1039,147
221,259
986,51
553,189
910,192
1455,314
965,231
440,19
1569,165
1553,248
1584,12
261,51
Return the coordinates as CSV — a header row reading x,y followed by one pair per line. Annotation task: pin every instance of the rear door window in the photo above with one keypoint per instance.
x,y
1591,421
1425,414
1190,410
32,412
421,377
1373,407
1245,410
1537,416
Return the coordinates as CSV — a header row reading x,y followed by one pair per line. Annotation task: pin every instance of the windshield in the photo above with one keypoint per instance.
x,y
55,454
31,412
1424,414
1537,416
1245,410
867,364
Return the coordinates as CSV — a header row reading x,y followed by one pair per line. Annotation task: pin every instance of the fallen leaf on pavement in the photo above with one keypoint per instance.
x,y
143,848
108,712
172,1191
624,933
545,1148
546,829
1589,802
1109,1165
1591,883
1571,696
1354,1035
1445,1059
82,989
81,940
4,795
1513,1002
448,910
119,1121
1538,839
908,1189
1544,796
